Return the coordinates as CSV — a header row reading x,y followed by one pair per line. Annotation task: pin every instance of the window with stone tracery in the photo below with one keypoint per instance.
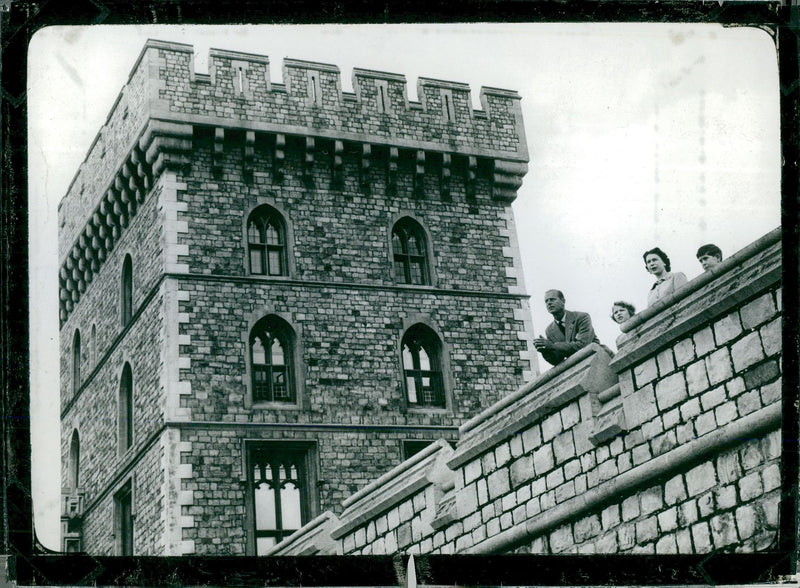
x,y
272,361
422,367
266,242
279,486
409,252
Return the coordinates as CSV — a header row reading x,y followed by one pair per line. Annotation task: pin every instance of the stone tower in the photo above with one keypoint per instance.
x,y
272,293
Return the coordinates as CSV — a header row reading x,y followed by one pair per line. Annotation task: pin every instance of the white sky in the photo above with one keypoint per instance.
x,y
640,135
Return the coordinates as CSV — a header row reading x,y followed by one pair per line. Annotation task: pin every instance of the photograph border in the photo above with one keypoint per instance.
x,y
28,562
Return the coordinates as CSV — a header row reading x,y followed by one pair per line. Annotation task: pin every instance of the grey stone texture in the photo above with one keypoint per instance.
x,y
194,301
720,498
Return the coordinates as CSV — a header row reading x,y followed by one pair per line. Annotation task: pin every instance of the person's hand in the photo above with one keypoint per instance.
x,y
541,343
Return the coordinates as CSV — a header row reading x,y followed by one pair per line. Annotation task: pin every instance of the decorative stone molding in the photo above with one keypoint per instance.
x,y
507,179
421,470
419,175
444,183
337,175
391,170
366,157
313,538
279,157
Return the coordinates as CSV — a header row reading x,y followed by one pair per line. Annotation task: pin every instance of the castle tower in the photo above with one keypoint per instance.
x,y
272,293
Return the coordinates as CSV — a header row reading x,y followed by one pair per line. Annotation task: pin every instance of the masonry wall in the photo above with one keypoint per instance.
x,y
342,234
345,460
99,531
94,411
112,145
100,305
671,447
238,85
182,161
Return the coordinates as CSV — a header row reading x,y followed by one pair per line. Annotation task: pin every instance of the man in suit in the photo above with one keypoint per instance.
x,y
569,331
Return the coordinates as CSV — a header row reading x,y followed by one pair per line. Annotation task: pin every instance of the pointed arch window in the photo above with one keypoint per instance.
x,y
126,298
74,461
422,367
125,414
76,361
271,361
410,253
94,345
266,242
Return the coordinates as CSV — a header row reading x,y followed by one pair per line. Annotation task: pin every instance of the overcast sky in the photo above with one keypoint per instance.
x,y
640,135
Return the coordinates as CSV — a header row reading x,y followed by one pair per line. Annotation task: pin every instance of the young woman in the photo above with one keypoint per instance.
x,y
657,263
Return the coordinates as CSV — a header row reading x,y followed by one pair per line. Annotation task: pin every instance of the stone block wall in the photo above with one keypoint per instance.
x,y
344,460
110,148
100,306
350,341
341,234
93,412
672,446
99,530
310,97
182,161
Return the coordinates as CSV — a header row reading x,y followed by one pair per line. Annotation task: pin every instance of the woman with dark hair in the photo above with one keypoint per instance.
x,y
657,263
621,311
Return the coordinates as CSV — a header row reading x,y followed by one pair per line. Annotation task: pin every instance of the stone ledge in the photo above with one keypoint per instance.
x,y
757,423
425,468
313,538
585,372
745,274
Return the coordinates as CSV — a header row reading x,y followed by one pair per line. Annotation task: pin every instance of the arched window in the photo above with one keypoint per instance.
x,y
76,361
126,298
74,460
422,367
271,361
125,414
266,242
94,345
410,253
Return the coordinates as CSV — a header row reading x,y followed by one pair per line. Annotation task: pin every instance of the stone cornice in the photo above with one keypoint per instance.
x,y
161,145
273,281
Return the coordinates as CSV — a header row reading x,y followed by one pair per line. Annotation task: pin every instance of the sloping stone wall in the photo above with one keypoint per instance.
x,y
672,446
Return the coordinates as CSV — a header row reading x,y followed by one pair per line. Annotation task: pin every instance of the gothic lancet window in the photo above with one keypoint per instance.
x,y
422,367
271,361
127,291
266,242
410,253
125,410
74,460
76,361
123,519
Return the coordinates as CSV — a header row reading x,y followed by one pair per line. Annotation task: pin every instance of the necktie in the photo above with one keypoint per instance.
x,y
561,326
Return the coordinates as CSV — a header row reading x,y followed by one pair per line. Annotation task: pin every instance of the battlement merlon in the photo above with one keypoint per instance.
x,y
310,101
151,124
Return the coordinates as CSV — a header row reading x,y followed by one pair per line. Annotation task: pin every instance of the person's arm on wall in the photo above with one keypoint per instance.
x,y
584,334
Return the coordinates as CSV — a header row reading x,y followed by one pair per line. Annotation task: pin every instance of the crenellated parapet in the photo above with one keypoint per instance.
x,y
159,113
